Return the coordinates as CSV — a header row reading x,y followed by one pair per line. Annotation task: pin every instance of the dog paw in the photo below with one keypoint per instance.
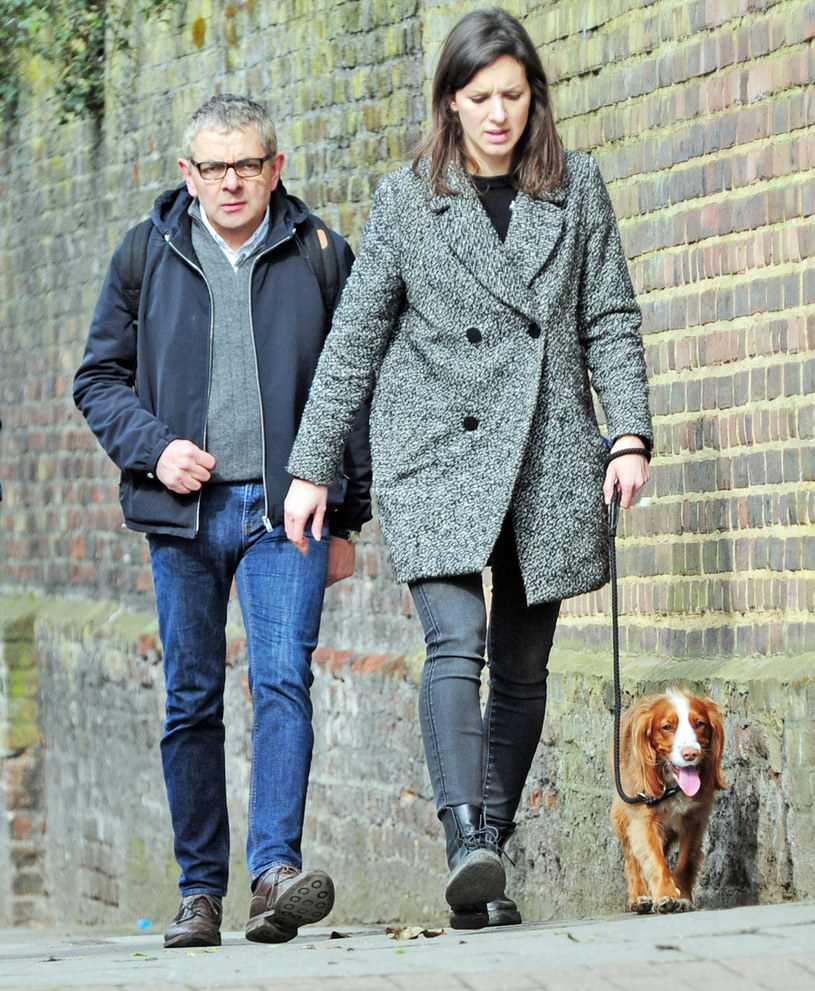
x,y
642,905
684,905
666,904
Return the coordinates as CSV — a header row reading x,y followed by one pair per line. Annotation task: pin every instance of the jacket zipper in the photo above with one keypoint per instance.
x,y
266,521
192,265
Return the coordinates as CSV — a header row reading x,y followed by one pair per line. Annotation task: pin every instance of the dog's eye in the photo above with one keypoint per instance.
x,y
667,727
700,724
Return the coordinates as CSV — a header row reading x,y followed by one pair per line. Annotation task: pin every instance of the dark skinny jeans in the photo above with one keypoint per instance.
x,y
472,759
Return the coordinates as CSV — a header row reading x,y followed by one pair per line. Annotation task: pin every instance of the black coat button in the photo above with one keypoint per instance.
x,y
534,330
473,335
469,423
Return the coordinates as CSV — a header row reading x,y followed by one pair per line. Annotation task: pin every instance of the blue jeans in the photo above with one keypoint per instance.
x,y
281,596
477,760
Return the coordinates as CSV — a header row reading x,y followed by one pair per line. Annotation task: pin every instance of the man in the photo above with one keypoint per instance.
x,y
198,401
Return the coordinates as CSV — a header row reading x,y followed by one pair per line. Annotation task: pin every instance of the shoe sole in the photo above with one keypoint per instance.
x,y
504,914
309,901
478,879
188,939
476,919
504,917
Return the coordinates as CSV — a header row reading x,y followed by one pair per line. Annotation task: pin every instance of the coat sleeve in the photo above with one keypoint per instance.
x,y
104,384
356,462
609,319
363,323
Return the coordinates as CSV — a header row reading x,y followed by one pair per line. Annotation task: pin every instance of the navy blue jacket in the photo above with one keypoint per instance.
x,y
140,390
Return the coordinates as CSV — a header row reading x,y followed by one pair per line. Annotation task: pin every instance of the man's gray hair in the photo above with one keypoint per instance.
x,y
227,112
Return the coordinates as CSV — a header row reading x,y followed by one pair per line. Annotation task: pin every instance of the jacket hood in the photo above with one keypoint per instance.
x,y
170,209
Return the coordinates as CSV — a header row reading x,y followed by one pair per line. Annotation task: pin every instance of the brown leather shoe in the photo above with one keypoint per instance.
x,y
198,922
285,898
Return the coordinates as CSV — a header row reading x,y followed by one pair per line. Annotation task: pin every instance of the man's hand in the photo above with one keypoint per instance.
x,y
629,472
304,499
341,560
183,467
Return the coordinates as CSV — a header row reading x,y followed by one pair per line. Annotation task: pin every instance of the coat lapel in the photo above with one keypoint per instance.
x,y
534,232
506,270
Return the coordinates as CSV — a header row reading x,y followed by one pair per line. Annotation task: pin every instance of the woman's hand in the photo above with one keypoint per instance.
x,y
628,473
304,499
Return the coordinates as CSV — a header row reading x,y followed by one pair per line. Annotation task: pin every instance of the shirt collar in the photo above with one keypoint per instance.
x,y
235,256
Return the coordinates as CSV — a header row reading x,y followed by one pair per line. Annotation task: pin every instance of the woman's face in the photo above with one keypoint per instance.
x,y
493,108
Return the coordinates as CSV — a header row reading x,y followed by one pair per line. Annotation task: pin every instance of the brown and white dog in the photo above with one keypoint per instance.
x,y
667,741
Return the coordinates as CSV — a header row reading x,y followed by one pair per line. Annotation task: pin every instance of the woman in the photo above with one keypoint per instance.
x,y
490,291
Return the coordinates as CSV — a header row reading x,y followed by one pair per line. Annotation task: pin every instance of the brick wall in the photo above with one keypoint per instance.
x,y
22,805
700,115
344,82
106,856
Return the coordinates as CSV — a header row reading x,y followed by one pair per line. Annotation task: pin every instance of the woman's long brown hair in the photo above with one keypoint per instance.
x,y
476,41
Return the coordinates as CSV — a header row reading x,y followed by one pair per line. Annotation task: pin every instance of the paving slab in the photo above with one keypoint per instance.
x,y
768,947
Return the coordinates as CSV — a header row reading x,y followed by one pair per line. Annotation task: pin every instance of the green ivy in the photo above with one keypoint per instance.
x,y
76,37
76,45
17,27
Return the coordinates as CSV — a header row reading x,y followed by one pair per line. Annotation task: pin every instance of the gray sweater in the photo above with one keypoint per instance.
x,y
234,432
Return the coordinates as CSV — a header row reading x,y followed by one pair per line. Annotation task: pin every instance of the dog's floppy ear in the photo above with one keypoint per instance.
x,y
646,758
713,764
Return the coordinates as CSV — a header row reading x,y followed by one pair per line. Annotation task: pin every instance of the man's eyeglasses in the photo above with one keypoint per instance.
x,y
246,168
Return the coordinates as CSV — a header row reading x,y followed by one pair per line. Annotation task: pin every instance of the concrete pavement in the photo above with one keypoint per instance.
x,y
741,949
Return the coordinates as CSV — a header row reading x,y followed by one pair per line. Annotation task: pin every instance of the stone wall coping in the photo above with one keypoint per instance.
x,y
109,620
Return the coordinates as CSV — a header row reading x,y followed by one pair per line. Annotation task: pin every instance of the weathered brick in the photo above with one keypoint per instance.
x,y
717,239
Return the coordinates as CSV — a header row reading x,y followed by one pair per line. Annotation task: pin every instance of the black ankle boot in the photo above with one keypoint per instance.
x,y
503,911
476,872
500,911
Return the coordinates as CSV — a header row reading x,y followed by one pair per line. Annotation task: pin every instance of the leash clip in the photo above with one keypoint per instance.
x,y
656,799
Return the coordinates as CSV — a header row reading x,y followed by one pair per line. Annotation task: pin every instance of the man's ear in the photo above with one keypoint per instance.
x,y
277,168
184,166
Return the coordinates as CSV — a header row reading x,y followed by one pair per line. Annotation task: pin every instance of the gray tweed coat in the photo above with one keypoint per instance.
x,y
480,358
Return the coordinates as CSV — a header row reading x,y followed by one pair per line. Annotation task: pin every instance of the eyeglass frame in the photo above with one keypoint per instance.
x,y
231,165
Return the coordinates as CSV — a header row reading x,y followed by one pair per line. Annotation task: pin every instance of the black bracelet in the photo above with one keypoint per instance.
x,y
629,450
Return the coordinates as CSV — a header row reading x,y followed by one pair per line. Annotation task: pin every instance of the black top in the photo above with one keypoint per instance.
x,y
497,193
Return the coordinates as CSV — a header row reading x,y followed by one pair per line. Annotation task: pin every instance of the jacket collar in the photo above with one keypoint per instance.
x,y
170,215
506,270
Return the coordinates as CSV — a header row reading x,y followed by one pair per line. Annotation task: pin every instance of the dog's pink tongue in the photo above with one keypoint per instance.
x,y
688,778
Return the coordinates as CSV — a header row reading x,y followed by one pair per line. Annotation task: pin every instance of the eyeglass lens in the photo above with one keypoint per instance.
x,y
247,168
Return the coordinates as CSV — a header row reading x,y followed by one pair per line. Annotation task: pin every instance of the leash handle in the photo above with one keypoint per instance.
x,y
613,520
614,515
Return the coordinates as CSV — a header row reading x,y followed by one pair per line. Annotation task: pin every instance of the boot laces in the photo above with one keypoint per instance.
x,y
493,840
201,904
478,839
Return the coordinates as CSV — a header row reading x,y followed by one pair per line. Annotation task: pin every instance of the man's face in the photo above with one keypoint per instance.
x,y
234,206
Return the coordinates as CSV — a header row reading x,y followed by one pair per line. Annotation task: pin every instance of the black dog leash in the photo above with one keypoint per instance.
x,y
640,797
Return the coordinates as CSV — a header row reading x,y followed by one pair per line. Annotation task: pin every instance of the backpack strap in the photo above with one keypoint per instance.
x,y
132,262
318,246
314,239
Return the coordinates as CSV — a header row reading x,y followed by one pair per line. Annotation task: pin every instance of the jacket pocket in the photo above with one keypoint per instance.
x,y
149,505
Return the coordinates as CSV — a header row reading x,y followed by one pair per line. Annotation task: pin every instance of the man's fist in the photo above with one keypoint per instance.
x,y
183,467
